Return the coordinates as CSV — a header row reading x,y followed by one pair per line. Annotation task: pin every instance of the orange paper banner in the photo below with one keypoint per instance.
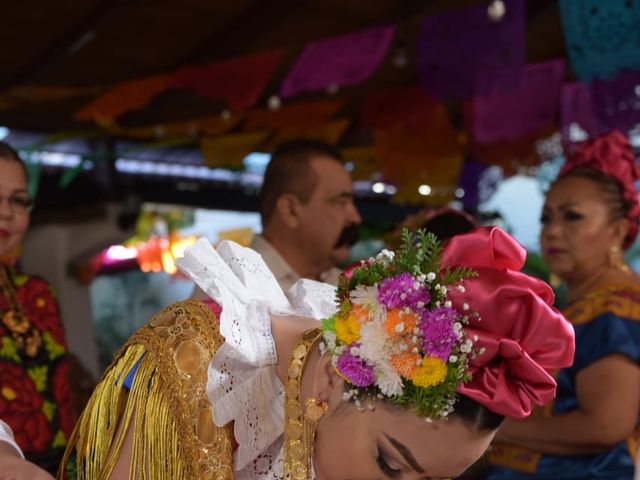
x,y
125,97
431,160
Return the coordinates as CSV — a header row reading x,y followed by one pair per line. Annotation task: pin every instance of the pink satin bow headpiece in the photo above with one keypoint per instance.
x,y
523,336
611,155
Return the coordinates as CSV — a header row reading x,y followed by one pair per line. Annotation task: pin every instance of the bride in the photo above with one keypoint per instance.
x,y
406,371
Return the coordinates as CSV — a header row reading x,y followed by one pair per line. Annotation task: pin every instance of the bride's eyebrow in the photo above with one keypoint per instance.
x,y
406,453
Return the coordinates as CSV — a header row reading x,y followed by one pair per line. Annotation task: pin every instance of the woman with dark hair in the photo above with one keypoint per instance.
x,y
417,359
34,383
589,217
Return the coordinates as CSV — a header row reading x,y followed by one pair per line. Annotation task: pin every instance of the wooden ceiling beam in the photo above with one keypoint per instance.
x,y
239,33
71,40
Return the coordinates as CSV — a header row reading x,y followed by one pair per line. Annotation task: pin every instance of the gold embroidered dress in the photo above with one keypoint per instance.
x,y
169,374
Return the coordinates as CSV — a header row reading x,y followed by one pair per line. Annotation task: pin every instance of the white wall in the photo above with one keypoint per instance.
x,y
47,252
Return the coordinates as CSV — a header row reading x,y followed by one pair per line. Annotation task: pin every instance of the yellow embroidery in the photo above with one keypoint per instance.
x,y
39,377
54,349
8,393
49,409
620,300
8,349
59,440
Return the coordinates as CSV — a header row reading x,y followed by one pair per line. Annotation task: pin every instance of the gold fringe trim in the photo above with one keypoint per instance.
x,y
166,403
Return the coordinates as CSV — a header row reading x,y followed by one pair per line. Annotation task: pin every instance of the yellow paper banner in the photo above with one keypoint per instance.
x,y
211,126
294,115
230,150
330,133
364,159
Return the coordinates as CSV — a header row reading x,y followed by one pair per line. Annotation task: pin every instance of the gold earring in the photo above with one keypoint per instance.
x,y
616,259
315,410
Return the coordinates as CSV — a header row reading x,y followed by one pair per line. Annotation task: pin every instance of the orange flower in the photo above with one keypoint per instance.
x,y
360,313
405,363
398,322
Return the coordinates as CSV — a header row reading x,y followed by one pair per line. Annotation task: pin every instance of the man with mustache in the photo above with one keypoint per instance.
x,y
309,220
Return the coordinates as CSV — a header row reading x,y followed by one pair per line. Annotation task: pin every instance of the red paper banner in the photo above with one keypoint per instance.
x,y
411,107
239,81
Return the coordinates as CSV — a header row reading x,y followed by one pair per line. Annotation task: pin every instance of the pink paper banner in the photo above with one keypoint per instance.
x,y
346,60
455,47
530,106
576,111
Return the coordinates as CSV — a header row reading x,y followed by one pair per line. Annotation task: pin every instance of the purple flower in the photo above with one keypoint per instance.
x,y
354,369
401,291
438,334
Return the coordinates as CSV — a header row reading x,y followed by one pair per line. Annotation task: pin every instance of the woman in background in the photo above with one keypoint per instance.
x,y
590,215
34,368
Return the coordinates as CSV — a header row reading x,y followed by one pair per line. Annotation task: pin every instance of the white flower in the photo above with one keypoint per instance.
x,y
447,304
431,277
330,340
466,346
362,295
461,288
373,341
465,306
453,358
388,380
385,256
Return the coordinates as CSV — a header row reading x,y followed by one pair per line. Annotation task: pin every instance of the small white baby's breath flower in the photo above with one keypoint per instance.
x,y
431,277
465,306
447,304
461,288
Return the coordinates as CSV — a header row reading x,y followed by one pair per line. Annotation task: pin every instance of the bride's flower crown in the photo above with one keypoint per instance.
x,y
396,335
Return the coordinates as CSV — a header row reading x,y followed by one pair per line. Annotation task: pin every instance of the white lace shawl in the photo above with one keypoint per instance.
x,y
243,385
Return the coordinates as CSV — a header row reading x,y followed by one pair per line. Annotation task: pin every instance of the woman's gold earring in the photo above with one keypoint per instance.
x,y
616,259
314,411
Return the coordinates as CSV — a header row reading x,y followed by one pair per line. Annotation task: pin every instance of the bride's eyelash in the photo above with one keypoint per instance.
x,y
384,466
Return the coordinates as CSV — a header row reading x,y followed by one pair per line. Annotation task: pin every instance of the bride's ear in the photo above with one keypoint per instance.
x,y
328,386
